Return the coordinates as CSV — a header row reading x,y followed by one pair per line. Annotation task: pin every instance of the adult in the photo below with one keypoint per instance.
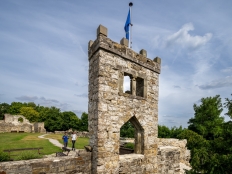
x,y
65,139
74,138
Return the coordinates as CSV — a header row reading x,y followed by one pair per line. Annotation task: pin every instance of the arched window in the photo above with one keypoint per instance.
x,y
133,129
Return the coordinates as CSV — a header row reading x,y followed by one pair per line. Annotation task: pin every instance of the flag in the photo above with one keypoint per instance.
x,y
127,25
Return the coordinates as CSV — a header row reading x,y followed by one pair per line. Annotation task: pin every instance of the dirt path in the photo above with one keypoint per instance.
x,y
53,141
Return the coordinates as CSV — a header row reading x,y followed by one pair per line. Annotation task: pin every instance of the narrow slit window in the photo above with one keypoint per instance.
x,y
127,84
139,87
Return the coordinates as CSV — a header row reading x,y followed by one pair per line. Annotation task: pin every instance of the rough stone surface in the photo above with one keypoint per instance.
x,y
18,123
77,163
181,144
110,107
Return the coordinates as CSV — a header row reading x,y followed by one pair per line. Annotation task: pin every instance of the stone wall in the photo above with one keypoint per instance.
x,y
9,127
59,165
181,144
18,123
79,133
168,160
110,107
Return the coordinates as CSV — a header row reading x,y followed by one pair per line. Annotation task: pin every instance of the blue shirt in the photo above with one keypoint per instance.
x,y
65,138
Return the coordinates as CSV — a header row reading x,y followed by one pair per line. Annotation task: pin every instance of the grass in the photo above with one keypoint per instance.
x,y
31,140
25,140
130,145
80,142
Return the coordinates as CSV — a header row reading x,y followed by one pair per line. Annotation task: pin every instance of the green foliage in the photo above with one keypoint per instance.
x,y
20,119
127,130
26,155
130,145
29,113
228,105
70,120
4,107
4,156
207,120
209,138
83,123
165,132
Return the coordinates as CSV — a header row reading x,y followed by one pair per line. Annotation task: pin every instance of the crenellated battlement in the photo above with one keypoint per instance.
x,y
121,49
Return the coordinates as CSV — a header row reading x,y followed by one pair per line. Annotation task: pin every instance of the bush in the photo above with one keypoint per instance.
x,y
26,155
4,157
129,145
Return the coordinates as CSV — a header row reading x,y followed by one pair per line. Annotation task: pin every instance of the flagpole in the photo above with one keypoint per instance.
x,y
130,30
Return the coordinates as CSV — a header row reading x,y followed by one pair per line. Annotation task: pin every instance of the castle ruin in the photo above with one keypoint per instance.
x,y
110,107
18,123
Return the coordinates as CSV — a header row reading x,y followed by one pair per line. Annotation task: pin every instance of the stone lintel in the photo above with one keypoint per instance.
x,y
158,60
101,30
124,41
143,52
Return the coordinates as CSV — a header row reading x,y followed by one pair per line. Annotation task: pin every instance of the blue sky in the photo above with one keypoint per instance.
x,y
44,59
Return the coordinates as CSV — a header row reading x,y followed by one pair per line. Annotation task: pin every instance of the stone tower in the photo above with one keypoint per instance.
x,y
110,107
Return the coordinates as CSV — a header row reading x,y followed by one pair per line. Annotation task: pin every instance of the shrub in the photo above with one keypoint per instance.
x,y
129,145
26,155
4,157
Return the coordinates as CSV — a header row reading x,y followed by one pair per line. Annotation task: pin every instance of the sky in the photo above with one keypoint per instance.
x,y
44,50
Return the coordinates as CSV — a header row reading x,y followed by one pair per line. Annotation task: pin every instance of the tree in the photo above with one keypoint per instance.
x,y
15,107
70,120
228,105
165,132
29,113
4,107
127,130
210,138
83,123
207,120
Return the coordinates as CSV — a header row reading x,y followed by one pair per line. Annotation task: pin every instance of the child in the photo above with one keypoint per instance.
x,y
65,139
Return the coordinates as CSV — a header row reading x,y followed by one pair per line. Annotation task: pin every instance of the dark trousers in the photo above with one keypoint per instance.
x,y
65,144
73,144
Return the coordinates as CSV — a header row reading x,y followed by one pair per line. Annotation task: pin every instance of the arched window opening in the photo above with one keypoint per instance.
x,y
131,137
20,119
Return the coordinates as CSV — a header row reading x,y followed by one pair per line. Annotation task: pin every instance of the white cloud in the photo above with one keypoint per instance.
x,y
184,39
219,83
227,70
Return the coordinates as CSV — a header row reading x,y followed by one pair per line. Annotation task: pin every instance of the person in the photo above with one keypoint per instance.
x,y
65,139
74,138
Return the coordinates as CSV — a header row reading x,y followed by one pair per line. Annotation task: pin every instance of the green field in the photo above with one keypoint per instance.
x,y
31,140
80,143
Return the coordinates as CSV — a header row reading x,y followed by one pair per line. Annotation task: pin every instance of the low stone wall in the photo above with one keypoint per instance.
x,y
184,152
79,133
168,159
62,165
132,163
9,127
126,140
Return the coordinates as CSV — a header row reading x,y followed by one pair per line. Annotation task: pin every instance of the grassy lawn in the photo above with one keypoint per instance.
x,y
26,140
80,143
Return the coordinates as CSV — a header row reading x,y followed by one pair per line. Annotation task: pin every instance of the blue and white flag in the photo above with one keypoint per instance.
x,y
127,26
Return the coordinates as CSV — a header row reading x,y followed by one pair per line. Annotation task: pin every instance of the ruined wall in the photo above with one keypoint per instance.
x,y
181,144
39,127
18,123
62,165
